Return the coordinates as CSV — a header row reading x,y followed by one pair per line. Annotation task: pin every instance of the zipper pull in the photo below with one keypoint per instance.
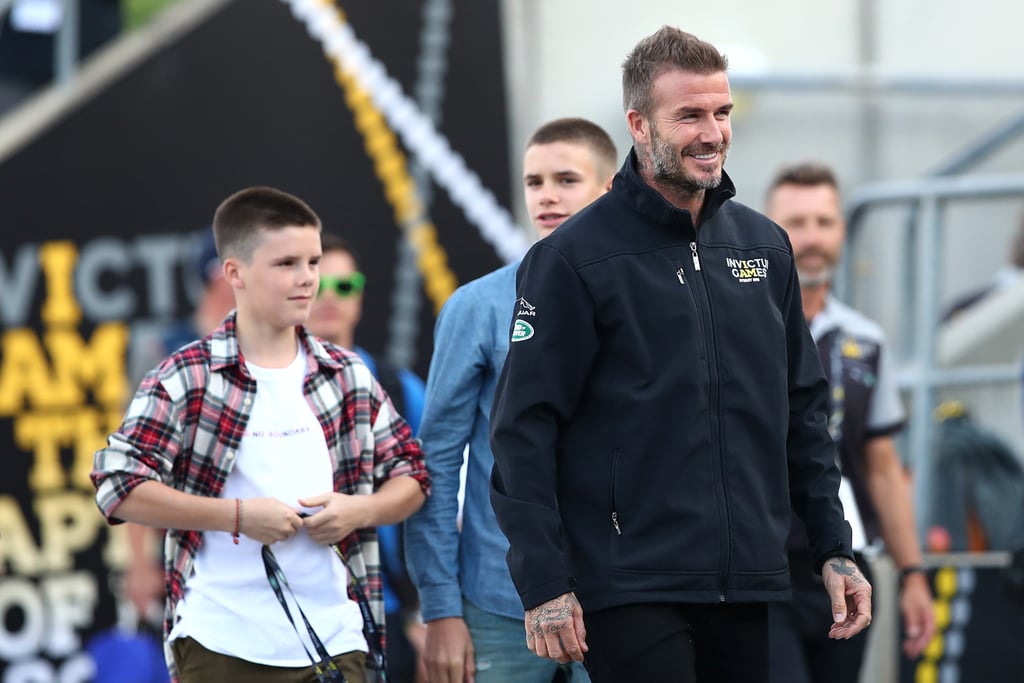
x,y
696,261
679,274
615,523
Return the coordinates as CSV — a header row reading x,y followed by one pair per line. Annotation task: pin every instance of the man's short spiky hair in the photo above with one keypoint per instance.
x,y
241,217
804,174
331,243
579,131
665,50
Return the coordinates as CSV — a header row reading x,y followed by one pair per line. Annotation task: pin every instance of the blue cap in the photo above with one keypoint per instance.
x,y
207,261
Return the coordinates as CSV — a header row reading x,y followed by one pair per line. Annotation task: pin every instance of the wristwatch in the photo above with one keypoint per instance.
x,y
913,569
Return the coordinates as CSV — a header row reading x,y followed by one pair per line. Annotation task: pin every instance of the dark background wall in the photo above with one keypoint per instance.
x,y
95,217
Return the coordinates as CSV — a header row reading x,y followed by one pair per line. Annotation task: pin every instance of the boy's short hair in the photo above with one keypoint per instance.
x,y
241,218
665,50
581,132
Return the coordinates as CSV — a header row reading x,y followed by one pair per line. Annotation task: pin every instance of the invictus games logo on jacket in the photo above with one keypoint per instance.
x,y
748,270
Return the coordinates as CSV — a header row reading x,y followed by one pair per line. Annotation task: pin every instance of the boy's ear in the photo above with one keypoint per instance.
x,y
232,273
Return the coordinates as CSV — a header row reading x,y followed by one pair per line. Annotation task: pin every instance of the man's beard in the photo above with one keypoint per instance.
x,y
817,278
668,170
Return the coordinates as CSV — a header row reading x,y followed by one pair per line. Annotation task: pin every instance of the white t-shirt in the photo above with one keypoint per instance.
x,y
229,606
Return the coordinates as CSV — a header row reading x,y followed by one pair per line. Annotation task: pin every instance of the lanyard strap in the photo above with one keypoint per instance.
x,y
371,631
326,670
838,389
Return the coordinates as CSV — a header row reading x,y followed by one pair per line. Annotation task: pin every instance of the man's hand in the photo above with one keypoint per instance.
x,y
449,652
555,630
918,613
850,594
143,584
416,634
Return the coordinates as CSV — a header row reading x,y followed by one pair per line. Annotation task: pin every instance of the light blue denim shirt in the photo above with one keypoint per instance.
x,y
470,344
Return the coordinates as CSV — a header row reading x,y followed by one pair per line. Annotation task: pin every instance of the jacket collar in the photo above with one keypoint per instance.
x,y
647,201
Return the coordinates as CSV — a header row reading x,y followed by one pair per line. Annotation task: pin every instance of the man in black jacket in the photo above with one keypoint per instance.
x,y
662,406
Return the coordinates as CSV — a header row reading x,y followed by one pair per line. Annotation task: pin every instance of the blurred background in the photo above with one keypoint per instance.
x,y
123,123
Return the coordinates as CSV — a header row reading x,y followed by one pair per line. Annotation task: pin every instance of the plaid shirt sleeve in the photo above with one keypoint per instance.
x,y
142,449
396,452
371,444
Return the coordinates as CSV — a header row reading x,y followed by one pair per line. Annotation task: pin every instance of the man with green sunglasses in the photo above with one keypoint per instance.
x,y
343,286
335,315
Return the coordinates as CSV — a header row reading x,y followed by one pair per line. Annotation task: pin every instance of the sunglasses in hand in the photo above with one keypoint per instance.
x,y
344,287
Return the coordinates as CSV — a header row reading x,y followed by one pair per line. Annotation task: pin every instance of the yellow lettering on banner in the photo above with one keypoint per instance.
x,y
57,260
98,365
17,546
68,523
25,377
43,434
46,434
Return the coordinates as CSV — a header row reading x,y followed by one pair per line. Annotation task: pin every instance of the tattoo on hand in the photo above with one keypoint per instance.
x,y
841,565
844,567
548,618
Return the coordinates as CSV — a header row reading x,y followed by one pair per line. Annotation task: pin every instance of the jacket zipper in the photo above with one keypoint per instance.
x,y
706,318
615,513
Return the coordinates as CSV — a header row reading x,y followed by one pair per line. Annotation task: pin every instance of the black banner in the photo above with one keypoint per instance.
x,y
96,236
979,615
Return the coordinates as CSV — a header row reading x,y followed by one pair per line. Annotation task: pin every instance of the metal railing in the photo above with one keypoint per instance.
x,y
920,374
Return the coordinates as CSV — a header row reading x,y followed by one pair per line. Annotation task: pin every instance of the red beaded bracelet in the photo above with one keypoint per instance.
x,y
238,520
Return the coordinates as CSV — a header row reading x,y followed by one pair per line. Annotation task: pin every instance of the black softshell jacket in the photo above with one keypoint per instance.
x,y
661,408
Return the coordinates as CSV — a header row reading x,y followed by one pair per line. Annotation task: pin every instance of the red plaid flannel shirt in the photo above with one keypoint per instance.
x,y
186,421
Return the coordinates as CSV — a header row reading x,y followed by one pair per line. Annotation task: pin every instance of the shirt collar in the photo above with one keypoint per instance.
x,y
224,351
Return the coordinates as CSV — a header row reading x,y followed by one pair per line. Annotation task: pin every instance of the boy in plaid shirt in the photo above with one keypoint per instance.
x,y
262,434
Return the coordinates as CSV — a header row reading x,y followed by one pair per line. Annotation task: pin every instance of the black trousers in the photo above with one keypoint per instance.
x,y
400,653
801,651
678,643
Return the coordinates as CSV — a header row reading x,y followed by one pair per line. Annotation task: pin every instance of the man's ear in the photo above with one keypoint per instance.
x,y
638,126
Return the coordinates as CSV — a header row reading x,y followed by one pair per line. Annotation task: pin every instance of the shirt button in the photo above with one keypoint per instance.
x,y
247,401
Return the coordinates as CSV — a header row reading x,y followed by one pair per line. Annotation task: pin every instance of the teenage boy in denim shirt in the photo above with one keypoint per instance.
x,y
473,614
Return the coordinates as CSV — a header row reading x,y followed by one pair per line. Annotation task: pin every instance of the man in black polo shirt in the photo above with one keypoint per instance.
x,y
864,414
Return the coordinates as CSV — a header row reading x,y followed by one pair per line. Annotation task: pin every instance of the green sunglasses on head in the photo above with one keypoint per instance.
x,y
342,286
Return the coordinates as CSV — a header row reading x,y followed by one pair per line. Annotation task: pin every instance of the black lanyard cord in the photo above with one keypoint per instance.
x,y
838,390
326,670
374,639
